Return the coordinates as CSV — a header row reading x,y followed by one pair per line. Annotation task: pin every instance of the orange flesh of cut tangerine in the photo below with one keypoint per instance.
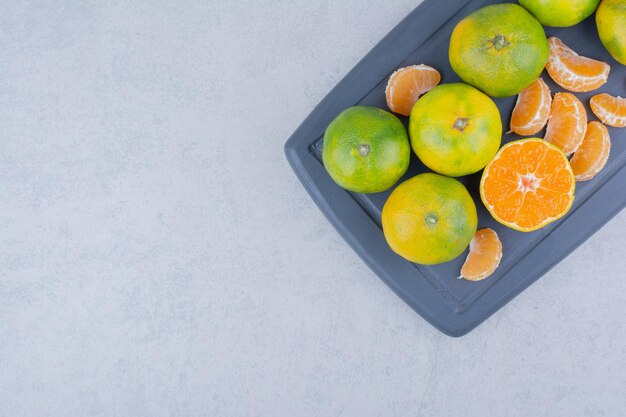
x,y
484,256
407,84
532,109
572,71
528,184
609,109
567,122
593,154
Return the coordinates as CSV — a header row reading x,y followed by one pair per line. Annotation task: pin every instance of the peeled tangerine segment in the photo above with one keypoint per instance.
x,y
407,84
611,110
567,122
528,184
572,71
484,256
532,109
592,155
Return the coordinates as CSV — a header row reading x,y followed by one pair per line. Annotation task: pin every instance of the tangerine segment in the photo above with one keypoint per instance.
x,y
572,71
407,84
611,110
528,184
592,155
532,109
484,255
567,122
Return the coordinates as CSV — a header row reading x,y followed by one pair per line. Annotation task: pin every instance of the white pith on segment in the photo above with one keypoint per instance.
x,y
601,160
391,84
558,50
475,250
540,116
607,117
578,113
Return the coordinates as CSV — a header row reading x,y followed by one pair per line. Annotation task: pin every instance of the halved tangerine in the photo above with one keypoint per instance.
x,y
484,255
611,110
572,71
593,153
407,84
528,184
531,109
567,122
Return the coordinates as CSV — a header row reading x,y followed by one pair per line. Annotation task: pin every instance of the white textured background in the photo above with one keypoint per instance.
x,y
158,257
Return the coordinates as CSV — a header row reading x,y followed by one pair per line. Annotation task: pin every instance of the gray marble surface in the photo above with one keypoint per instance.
x,y
159,258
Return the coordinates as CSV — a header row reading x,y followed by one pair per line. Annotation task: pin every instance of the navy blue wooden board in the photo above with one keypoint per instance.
x,y
454,306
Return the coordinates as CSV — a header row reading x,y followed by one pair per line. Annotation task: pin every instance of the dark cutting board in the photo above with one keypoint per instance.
x,y
455,306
